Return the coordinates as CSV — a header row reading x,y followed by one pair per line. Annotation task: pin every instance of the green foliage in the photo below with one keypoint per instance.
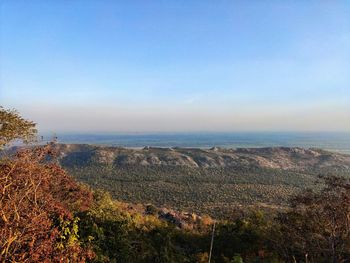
x,y
213,191
15,127
317,227
237,259
105,228
117,234
245,236
68,232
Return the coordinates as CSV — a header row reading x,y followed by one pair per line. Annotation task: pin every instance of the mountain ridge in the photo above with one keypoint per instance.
x,y
211,181
295,158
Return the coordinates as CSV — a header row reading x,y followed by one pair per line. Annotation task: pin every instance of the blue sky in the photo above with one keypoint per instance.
x,y
126,66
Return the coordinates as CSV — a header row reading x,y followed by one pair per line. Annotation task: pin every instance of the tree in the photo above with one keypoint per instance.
x,y
317,227
15,127
245,236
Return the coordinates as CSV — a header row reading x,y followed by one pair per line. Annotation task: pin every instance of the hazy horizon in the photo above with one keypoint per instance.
x,y
333,141
161,66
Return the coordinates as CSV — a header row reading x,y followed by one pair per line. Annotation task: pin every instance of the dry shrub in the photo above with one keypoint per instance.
x,y
37,201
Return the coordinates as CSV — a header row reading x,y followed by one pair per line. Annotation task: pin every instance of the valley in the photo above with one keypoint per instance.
x,y
212,181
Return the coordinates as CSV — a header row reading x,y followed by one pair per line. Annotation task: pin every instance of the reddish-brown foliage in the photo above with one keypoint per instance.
x,y
34,195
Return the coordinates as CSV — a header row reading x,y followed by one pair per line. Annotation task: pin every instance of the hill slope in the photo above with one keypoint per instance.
x,y
201,180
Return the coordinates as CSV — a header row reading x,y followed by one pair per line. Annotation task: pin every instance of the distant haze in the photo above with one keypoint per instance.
x,y
171,66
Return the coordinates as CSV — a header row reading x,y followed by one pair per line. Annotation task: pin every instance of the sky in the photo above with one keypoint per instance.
x,y
177,66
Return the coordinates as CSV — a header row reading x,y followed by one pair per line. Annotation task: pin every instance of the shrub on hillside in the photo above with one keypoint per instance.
x,y
37,201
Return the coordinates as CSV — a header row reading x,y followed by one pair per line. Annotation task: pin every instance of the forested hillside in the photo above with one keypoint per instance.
x,y
213,181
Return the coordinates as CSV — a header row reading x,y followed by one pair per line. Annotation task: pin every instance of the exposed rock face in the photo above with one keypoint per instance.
x,y
274,157
180,219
